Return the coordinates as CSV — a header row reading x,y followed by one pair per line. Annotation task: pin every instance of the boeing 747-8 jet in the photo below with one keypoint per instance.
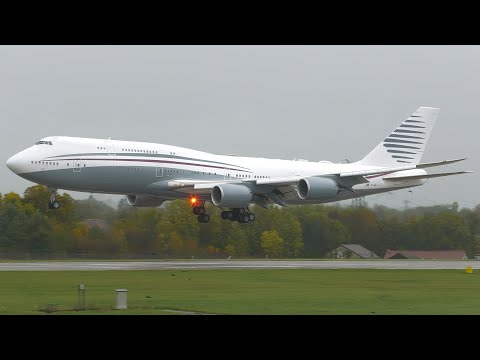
x,y
150,174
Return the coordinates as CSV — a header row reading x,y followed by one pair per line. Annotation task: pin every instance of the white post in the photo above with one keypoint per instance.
x,y
121,298
81,296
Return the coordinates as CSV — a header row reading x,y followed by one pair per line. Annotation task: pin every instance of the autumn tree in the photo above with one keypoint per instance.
x,y
178,230
13,232
118,240
39,197
476,245
321,233
362,225
92,208
289,229
81,242
39,229
272,244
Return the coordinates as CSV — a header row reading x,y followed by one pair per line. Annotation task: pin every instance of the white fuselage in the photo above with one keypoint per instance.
x,y
130,168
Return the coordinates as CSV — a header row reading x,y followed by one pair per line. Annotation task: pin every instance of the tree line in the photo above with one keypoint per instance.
x,y
29,229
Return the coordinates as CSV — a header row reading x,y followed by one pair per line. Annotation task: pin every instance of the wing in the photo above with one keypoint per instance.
x,y
278,190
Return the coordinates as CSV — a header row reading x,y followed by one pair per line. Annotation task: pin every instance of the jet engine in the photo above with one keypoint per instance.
x,y
314,188
144,200
231,195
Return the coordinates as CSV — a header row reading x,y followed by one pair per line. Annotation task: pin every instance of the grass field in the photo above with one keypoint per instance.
x,y
300,291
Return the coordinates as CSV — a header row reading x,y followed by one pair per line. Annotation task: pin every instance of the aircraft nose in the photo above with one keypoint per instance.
x,y
14,163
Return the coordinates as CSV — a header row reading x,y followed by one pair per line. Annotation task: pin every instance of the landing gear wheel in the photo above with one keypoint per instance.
x,y
224,215
251,216
243,219
241,211
198,210
230,216
54,205
203,218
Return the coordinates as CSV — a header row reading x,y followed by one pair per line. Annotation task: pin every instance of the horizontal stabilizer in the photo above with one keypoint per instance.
x,y
376,171
426,176
438,163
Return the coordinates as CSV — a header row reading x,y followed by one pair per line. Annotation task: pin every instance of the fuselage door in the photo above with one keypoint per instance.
x,y
110,147
159,172
227,175
294,169
77,165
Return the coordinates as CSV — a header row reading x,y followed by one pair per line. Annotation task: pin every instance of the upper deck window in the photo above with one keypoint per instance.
x,y
43,142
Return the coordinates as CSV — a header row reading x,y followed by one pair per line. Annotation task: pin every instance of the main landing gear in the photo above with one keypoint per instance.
x,y
202,216
242,215
53,203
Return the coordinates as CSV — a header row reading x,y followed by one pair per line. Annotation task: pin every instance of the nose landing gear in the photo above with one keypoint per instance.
x,y
53,203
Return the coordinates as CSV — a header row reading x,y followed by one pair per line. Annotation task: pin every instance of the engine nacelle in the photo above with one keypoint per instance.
x,y
231,195
144,201
315,188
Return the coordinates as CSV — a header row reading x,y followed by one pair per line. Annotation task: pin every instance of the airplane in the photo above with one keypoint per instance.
x,y
150,174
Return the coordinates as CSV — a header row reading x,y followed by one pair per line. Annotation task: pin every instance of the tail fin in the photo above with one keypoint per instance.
x,y
406,144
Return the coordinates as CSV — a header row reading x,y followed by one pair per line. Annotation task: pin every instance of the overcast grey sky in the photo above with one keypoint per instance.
x,y
311,102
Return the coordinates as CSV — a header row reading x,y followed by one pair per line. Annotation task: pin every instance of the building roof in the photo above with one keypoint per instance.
x,y
402,255
432,254
360,251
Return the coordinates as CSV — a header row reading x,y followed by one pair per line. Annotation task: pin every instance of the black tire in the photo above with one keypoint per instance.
x,y
224,215
195,210
54,205
252,216
241,211
201,210
203,218
242,219
246,218
230,215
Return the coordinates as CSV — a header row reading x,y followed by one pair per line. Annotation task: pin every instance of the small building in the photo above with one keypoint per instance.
x,y
426,255
351,251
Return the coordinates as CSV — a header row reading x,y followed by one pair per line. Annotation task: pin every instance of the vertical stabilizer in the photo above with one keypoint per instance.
x,y
406,144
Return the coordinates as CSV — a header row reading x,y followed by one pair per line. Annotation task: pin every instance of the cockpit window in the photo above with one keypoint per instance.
x,y
43,142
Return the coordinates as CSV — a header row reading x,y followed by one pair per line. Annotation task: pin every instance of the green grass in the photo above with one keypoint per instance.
x,y
299,291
